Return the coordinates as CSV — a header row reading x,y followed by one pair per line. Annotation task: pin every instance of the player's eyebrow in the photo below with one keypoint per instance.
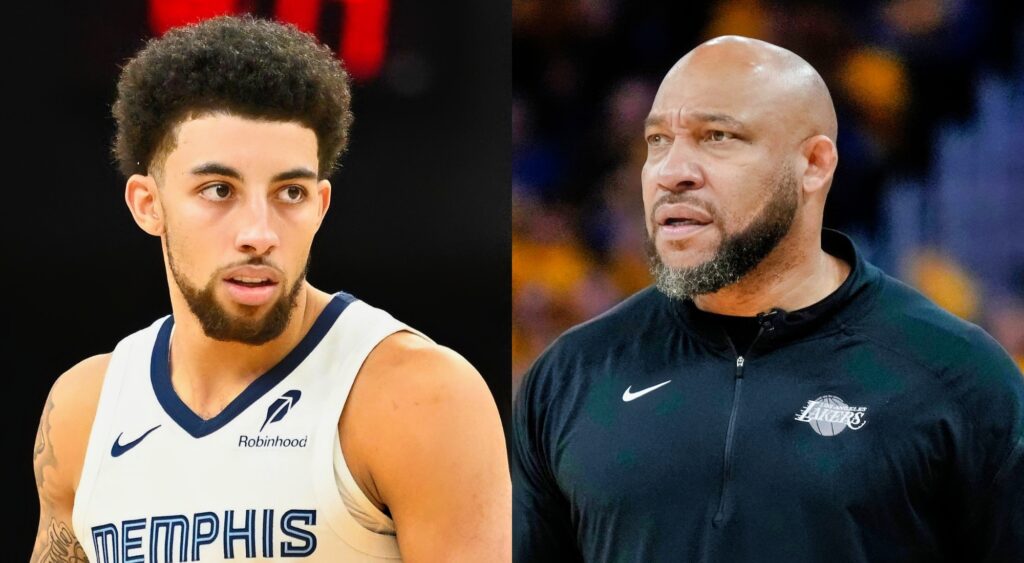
x,y
723,118
654,119
213,168
300,173
703,117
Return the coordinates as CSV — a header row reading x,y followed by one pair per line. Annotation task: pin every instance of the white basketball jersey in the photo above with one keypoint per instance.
x,y
263,480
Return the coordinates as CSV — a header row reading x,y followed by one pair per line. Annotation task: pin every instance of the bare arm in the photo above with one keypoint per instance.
x,y
436,456
59,452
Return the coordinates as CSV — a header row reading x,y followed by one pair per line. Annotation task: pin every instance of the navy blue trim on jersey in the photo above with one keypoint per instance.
x,y
197,426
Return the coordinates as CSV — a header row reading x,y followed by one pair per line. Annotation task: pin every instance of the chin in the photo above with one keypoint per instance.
x,y
688,256
247,312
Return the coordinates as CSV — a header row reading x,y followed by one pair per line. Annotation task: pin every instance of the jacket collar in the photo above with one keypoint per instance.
x,y
778,327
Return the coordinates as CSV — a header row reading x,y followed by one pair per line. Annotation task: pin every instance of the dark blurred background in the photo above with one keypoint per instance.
x,y
419,223
930,184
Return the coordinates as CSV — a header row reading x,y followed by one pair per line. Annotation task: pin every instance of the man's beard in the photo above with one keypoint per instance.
x,y
219,324
738,253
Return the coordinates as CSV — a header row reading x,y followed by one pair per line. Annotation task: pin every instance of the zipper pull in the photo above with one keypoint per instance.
x,y
739,367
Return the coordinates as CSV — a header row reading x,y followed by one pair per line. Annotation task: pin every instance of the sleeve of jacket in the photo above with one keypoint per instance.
x,y
541,526
994,457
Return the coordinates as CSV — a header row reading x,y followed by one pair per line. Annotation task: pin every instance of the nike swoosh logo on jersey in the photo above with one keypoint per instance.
x,y
117,449
628,396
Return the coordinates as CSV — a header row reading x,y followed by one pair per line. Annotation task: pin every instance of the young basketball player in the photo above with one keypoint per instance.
x,y
264,418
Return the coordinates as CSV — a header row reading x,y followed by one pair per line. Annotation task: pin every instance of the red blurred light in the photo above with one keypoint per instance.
x,y
364,37
165,14
305,14
363,40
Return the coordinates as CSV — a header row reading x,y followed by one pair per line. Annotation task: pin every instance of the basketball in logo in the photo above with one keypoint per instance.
x,y
829,415
824,427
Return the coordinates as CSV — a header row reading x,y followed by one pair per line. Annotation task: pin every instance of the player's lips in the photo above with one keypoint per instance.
x,y
251,285
676,221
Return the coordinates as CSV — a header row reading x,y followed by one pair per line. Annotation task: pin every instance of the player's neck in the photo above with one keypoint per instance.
x,y
795,275
207,374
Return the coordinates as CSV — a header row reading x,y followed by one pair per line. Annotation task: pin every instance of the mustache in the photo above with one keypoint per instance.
x,y
687,199
254,261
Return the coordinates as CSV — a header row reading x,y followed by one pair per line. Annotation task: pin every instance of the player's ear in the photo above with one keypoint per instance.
x,y
140,193
323,197
821,157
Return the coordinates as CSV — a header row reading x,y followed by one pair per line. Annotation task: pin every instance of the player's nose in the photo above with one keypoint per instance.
x,y
680,169
256,233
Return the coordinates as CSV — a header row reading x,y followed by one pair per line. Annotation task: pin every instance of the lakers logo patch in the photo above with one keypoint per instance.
x,y
829,415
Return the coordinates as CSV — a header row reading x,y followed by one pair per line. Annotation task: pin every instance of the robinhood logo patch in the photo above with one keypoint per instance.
x,y
279,408
829,415
275,413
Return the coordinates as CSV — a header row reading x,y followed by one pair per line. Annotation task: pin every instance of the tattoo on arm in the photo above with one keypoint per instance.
x,y
55,542
43,456
60,546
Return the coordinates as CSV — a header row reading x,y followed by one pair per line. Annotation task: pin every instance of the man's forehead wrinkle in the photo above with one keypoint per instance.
x,y
682,113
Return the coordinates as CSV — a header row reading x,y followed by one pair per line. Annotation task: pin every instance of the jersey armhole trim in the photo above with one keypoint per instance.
x,y
361,328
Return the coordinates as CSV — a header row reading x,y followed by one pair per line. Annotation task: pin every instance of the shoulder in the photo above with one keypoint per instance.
x,y
75,395
646,316
622,323
637,312
420,389
81,384
66,422
909,324
421,405
407,367
404,364
968,368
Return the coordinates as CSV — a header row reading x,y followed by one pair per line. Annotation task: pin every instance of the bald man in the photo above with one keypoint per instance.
x,y
774,397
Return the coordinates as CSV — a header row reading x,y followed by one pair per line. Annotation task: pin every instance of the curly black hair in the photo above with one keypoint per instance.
x,y
240,65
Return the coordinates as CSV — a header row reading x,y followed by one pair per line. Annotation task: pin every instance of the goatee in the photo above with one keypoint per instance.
x,y
738,253
220,324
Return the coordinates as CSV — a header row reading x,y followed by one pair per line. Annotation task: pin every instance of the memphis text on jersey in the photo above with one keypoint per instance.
x,y
231,534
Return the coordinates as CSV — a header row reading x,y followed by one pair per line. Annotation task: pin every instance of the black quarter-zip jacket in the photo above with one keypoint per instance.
x,y
871,426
